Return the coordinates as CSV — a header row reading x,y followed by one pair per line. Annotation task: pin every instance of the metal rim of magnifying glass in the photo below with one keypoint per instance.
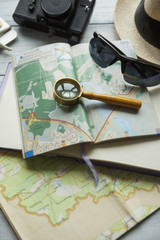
x,y
63,101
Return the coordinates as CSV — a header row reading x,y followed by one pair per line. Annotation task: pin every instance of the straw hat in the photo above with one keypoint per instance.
x,y
139,21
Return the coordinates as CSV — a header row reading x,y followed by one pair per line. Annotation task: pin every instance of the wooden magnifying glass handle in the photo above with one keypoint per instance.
x,y
114,100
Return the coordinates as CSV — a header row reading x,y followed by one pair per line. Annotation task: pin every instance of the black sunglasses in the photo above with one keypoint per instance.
x,y
136,72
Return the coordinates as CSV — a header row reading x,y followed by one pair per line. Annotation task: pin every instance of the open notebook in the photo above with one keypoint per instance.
x,y
141,153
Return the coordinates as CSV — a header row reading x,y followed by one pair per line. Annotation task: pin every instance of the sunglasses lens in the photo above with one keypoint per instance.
x,y
141,75
101,53
135,72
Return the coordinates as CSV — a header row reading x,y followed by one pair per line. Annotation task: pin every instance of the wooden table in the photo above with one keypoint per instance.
x,y
102,22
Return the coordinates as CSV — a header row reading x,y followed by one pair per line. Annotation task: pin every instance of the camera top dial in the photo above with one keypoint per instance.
x,y
56,8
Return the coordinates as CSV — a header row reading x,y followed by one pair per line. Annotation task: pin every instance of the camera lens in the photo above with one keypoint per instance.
x,y
55,8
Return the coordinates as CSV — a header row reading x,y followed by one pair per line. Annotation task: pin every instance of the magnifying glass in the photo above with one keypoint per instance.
x,y
67,91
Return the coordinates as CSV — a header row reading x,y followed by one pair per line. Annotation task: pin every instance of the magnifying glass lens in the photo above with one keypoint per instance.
x,y
67,90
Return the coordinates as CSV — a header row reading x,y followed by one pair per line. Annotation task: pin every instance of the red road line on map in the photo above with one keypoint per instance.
x,y
116,108
60,121
129,93
113,111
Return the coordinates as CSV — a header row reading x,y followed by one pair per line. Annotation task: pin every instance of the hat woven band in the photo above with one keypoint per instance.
x,y
148,27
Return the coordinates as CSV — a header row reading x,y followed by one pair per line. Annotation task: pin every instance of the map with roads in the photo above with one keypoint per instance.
x,y
47,125
55,196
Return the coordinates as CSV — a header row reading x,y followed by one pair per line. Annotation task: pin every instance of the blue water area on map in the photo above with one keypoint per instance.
x,y
29,154
124,124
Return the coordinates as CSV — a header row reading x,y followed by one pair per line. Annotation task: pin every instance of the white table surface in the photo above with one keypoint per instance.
x,y
102,22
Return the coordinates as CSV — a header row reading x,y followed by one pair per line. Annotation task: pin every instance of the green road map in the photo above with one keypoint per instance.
x,y
56,198
47,125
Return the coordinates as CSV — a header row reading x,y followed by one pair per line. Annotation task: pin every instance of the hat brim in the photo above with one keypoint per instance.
x,y
125,26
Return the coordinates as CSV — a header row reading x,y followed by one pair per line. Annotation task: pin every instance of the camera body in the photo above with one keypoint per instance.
x,y
67,18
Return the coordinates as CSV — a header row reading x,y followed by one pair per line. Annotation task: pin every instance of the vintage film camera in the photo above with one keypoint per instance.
x,y
67,18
